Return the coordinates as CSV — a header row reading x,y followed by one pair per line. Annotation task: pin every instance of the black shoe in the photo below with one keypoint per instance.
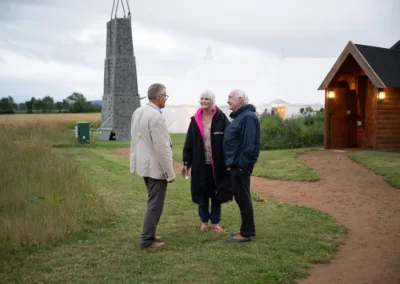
x,y
233,240
235,233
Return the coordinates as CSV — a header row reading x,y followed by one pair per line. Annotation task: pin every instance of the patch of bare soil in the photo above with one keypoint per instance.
x,y
360,201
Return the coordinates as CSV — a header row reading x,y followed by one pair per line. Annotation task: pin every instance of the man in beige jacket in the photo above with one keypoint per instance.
x,y
151,157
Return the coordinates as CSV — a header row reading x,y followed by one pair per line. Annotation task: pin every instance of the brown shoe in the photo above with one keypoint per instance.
x,y
155,245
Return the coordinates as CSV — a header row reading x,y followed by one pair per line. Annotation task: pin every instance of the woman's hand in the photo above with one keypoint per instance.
x,y
185,170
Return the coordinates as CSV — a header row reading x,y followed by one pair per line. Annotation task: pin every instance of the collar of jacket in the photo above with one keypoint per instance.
x,y
241,110
197,117
200,112
154,106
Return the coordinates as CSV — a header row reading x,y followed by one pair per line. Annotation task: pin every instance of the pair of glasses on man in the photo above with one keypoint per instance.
x,y
165,95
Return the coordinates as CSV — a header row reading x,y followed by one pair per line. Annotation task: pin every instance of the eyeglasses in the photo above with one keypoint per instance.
x,y
165,95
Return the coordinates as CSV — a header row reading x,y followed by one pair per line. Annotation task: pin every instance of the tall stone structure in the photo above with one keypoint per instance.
x,y
121,96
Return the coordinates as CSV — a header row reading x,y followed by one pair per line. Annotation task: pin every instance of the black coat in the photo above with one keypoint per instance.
x,y
194,156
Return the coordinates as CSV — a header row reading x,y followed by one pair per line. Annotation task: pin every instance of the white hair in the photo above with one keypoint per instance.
x,y
241,94
208,94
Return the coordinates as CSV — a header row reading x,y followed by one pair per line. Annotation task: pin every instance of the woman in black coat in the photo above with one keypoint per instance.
x,y
203,154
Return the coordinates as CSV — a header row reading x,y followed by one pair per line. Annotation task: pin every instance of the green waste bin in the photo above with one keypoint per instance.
x,y
83,132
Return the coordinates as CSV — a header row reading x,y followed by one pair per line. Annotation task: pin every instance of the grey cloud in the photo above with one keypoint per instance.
x,y
24,2
160,66
24,90
10,9
33,43
46,38
300,28
42,29
302,44
317,33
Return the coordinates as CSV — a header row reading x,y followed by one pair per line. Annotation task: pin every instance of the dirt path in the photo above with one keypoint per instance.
x,y
359,200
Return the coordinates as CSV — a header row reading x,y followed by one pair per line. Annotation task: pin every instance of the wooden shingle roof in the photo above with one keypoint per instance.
x,y
381,65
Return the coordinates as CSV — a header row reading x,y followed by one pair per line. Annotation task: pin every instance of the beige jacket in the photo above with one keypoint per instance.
x,y
151,146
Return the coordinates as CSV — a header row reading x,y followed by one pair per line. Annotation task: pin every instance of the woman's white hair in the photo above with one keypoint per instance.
x,y
241,94
208,94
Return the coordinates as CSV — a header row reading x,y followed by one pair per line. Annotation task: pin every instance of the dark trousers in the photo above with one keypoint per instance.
x,y
205,215
215,215
241,193
155,203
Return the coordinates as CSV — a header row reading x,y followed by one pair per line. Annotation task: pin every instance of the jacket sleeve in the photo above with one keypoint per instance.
x,y
162,146
188,147
229,146
226,121
132,151
251,142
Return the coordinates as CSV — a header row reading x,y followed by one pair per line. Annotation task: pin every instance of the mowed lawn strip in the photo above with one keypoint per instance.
x,y
386,164
284,165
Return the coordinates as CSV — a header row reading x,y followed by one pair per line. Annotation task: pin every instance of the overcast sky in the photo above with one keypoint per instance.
x,y
56,47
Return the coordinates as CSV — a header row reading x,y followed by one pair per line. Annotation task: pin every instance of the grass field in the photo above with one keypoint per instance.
x,y
284,165
288,239
43,196
382,163
49,118
108,204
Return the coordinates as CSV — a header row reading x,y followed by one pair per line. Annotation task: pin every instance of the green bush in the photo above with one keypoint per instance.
x,y
7,111
296,132
292,132
271,132
313,135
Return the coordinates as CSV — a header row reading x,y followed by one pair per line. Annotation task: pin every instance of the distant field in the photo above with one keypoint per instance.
x,y
49,118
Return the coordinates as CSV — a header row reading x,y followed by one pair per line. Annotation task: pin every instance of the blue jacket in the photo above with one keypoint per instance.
x,y
242,139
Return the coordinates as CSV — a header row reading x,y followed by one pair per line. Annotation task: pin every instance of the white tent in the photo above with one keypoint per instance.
x,y
285,109
178,117
222,76
263,78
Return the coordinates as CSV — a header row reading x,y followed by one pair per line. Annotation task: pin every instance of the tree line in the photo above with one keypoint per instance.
x,y
75,103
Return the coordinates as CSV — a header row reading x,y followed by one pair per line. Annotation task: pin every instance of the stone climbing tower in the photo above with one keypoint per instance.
x,y
120,98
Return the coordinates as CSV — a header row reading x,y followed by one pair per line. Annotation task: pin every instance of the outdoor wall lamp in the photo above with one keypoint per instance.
x,y
331,94
381,95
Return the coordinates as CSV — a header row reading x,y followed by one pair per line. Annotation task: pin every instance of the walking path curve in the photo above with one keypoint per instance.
x,y
360,201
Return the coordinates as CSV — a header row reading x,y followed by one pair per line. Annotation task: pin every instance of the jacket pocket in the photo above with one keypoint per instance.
x,y
239,172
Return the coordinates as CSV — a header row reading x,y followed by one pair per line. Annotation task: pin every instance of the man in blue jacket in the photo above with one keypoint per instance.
x,y
241,151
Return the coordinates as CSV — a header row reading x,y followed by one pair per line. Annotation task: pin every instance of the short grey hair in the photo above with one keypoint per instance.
x,y
209,95
154,91
241,94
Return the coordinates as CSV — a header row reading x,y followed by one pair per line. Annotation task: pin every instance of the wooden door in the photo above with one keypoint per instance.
x,y
351,119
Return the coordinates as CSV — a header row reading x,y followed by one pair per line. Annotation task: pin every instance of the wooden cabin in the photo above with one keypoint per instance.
x,y
362,99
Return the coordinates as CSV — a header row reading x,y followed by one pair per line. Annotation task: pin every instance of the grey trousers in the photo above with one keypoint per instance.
x,y
155,203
